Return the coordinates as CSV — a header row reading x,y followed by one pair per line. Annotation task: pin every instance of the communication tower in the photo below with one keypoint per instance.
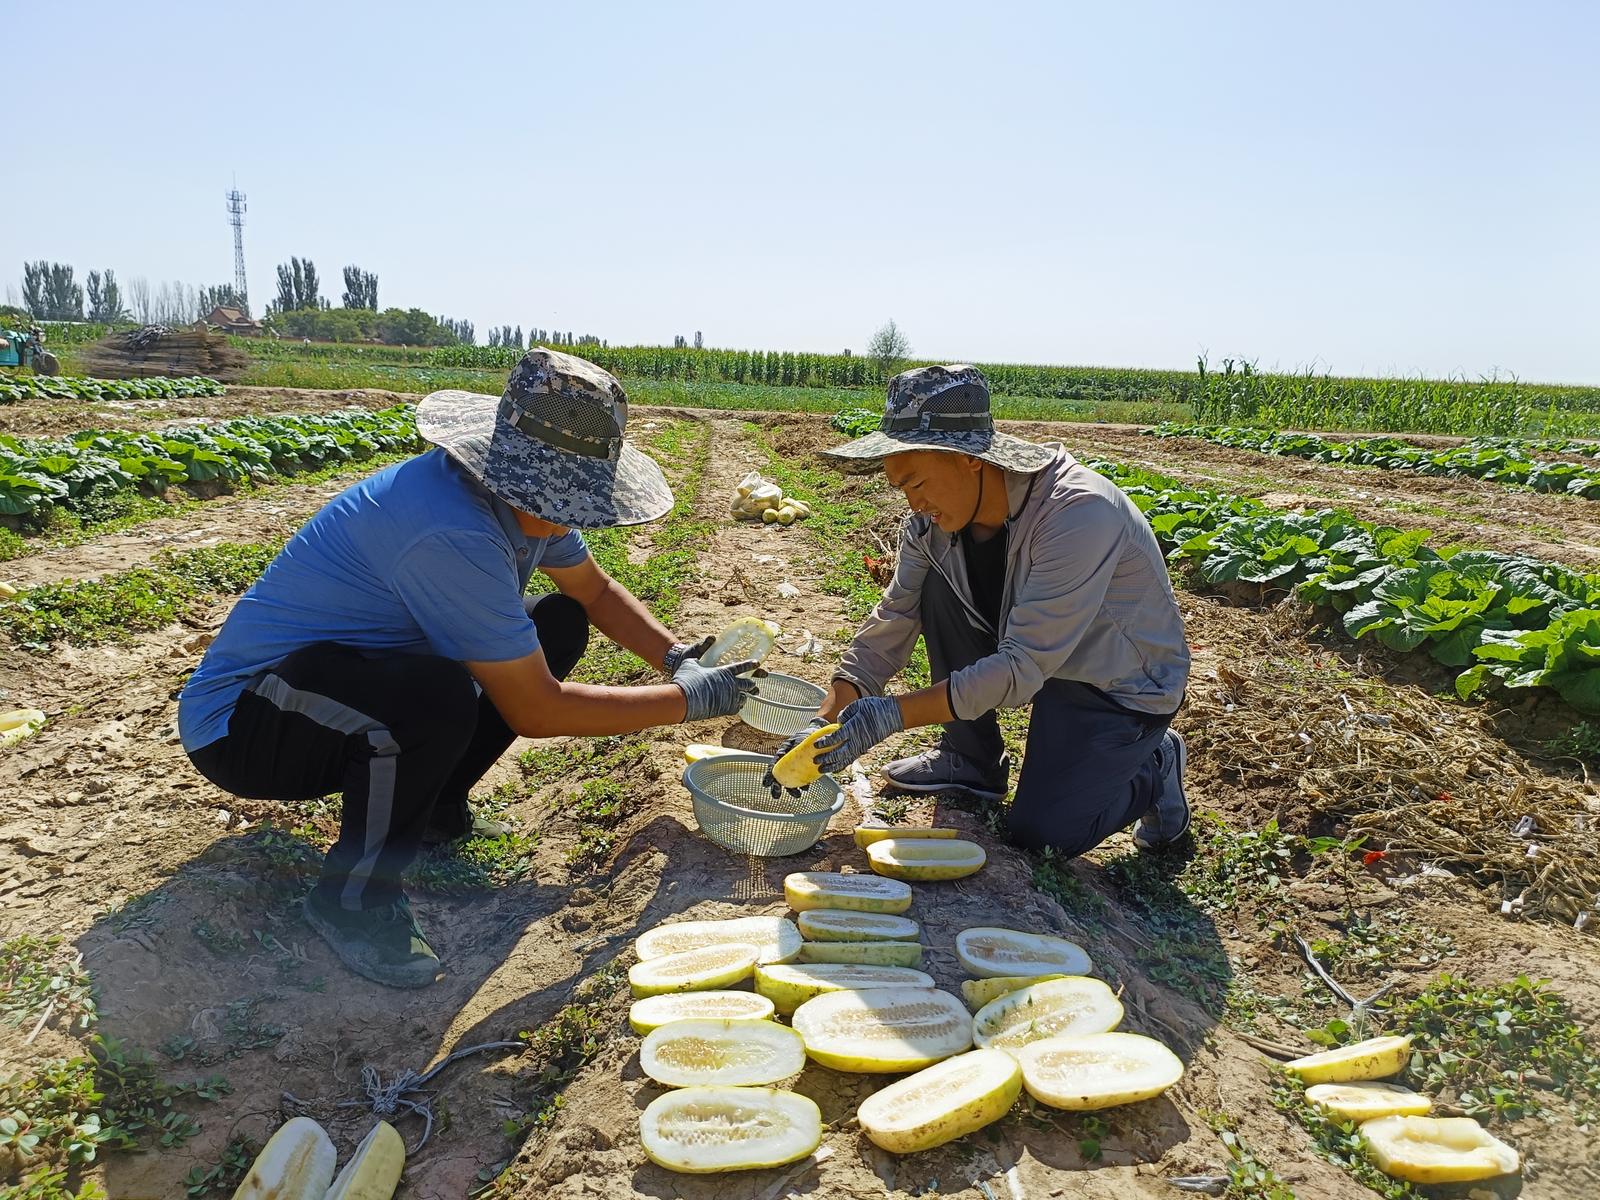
x,y
236,219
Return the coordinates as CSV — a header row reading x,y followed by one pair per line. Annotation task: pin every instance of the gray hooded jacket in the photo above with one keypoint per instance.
x,y
1086,598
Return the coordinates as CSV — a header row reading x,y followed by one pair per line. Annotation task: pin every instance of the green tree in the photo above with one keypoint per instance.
x,y
360,289
462,330
329,324
410,327
105,298
888,348
298,286
49,293
222,296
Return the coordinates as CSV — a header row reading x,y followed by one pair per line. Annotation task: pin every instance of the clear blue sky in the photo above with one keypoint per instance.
x,y
1379,187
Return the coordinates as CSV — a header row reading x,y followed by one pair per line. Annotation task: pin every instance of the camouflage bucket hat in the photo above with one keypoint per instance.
x,y
552,444
944,408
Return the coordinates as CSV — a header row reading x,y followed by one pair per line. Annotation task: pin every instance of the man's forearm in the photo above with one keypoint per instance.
x,y
619,615
588,710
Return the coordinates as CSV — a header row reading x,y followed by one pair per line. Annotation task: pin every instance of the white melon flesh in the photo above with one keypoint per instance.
x,y
987,951
1072,1007
789,985
867,834
695,751
1437,1149
978,992
883,1029
297,1163
694,970
1375,1058
776,938
721,1053
942,1102
857,893
654,1011
842,925
876,954
1367,1101
926,859
1101,1070
699,1130
745,640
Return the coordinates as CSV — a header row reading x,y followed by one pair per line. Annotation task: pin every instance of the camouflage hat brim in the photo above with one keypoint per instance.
x,y
1004,451
568,489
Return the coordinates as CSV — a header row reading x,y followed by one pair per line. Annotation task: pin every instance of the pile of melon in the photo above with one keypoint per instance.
x,y
759,499
841,985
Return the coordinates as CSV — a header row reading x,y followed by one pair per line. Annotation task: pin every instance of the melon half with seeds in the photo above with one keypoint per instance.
x,y
1070,1007
789,985
655,1011
942,1102
842,925
1367,1101
857,893
1375,1058
721,1053
1101,1070
987,952
748,639
776,938
704,1129
867,834
926,859
883,1029
694,970
1437,1149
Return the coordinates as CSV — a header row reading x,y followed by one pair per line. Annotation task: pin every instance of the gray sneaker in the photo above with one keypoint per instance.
x,y
1168,818
941,770
454,823
383,944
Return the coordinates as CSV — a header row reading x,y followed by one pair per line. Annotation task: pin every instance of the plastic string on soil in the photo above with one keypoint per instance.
x,y
1419,779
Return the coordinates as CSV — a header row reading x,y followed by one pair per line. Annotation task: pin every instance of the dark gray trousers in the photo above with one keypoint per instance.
x,y
1089,766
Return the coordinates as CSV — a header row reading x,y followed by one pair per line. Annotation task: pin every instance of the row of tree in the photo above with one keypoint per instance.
x,y
504,335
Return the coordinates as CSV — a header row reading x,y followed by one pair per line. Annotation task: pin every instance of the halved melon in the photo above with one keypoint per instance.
x,y
799,767
842,925
926,858
1437,1149
867,834
776,938
1100,1070
858,893
789,986
978,992
1375,1058
722,1053
655,1011
883,1029
988,952
1367,1101
373,1171
876,954
698,1130
695,751
942,1102
1072,1007
743,640
694,970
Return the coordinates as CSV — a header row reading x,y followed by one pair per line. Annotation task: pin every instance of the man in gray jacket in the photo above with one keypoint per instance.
x,y
1037,582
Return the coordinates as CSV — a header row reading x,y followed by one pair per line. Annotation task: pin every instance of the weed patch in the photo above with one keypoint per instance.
x,y
41,979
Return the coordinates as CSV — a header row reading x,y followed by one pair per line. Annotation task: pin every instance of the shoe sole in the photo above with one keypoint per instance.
x,y
925,788
397,979
1188,813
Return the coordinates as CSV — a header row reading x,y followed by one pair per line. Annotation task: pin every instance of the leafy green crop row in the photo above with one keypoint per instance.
x,y
35,474
1502,460
1498,617
67,387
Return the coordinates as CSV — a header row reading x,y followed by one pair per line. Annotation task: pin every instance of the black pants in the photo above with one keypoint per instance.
x,y
1088,768
403,737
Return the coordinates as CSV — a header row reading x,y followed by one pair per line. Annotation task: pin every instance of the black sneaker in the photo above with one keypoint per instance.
x,y
383,944
940,770
1168,818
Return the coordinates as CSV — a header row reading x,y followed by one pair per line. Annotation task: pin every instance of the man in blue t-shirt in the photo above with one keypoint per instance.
x,y
389,653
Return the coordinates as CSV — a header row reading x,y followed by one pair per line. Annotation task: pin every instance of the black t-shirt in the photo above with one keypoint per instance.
x,y
986,572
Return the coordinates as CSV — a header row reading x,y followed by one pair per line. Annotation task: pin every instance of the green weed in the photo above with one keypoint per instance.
x,y
224,1176
44,978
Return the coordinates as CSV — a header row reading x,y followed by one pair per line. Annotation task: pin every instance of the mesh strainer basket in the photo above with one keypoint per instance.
x,y
734,810
782,704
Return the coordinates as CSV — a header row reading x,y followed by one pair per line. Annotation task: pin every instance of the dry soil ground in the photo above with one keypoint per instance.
x,y
182,899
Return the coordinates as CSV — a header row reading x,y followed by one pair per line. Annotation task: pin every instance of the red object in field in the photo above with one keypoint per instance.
x,y
1445,798
878,569
1372,857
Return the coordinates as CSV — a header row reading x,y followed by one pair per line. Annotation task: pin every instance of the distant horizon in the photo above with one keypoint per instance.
x,y
1385,191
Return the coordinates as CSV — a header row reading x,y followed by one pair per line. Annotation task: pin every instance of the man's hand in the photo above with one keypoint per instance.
x,y
862,725
681,652
771,784
713,691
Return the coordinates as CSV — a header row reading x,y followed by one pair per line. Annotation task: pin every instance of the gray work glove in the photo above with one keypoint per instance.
x,y
771,784
713,691
862,725
682,651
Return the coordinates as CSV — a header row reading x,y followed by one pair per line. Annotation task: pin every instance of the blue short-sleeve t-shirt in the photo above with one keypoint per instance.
x,y
417,559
